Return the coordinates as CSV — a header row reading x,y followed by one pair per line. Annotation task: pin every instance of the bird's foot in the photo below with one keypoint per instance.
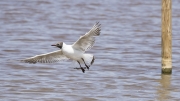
x,y
87,66
82,68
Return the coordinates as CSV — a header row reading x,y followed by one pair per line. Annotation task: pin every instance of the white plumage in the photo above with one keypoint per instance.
x,y
74,52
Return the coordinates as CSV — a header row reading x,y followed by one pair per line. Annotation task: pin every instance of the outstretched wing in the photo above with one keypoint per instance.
x,y
86,41
51,57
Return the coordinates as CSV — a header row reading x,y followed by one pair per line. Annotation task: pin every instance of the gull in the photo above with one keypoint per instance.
x,y
75,52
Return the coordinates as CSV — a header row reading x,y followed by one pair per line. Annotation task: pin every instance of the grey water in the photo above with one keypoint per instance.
x,y
128,51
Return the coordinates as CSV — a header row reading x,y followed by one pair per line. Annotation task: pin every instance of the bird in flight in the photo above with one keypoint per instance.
x,y
75,52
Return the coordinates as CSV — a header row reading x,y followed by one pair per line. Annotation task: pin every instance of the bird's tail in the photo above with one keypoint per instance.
x,y
89,59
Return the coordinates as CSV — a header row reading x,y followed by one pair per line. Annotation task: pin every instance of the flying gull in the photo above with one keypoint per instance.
x,y
75,52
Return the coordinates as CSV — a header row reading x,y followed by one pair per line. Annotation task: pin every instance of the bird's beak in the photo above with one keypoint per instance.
x,y
53,45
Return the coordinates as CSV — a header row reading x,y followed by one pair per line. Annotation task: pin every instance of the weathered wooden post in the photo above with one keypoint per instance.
x,y
166,32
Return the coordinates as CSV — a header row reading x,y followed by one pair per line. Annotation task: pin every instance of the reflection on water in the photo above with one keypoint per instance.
x,y
128,52
165,87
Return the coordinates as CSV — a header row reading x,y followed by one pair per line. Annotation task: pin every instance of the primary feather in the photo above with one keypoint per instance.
x,y
51,57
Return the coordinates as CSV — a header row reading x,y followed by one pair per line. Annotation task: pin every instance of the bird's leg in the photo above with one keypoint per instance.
x,y
85,64
81,67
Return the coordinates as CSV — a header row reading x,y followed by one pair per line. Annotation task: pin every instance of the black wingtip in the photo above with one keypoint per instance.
x,y
97,23
27,61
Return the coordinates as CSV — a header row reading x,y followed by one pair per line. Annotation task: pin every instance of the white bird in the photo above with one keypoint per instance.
x,y
74,52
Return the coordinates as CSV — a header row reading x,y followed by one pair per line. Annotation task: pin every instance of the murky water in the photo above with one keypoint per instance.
x,y
128,52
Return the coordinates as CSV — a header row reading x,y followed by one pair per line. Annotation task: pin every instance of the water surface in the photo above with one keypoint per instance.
x,y
128,52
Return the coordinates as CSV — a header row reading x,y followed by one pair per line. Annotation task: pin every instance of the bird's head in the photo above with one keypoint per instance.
x,y
59,45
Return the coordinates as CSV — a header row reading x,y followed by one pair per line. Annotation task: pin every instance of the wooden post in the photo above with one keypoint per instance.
x,y
166,37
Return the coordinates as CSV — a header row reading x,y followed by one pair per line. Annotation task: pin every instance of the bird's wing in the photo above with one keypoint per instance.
x,y
86,41
51,57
